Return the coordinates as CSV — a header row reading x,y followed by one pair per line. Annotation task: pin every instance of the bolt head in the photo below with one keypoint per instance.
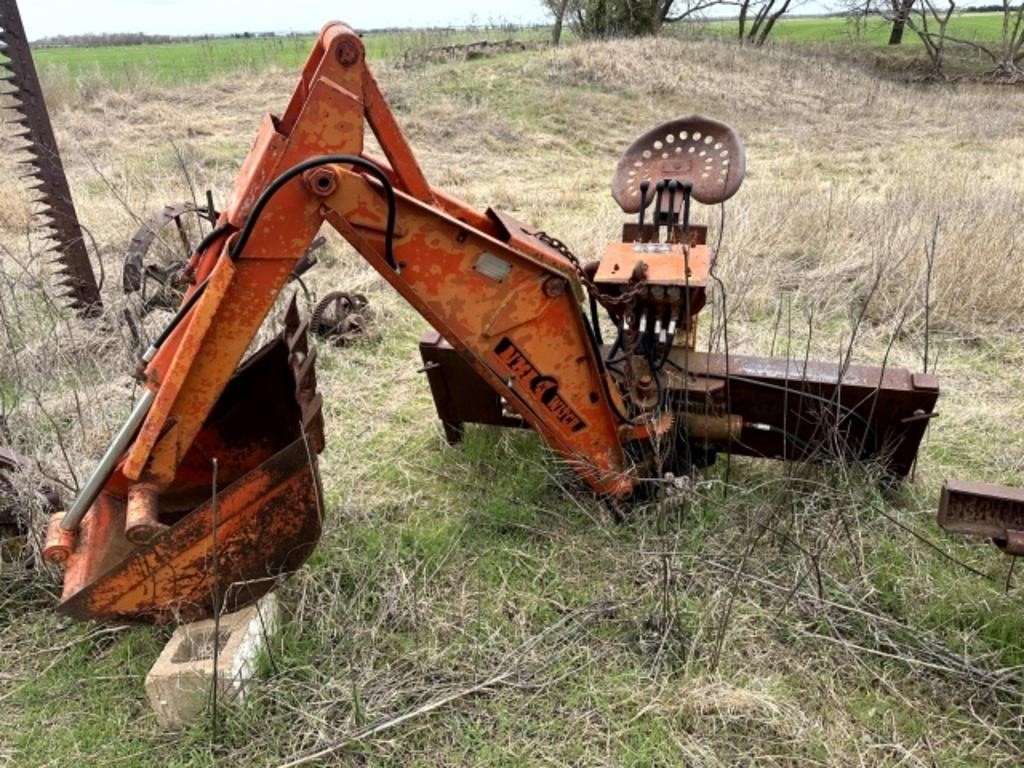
x,y
554,287
321,181
349,52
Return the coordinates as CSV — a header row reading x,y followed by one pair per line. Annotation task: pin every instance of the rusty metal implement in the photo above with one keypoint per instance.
x,y
517,341
144,557
694,149
49,187
986,510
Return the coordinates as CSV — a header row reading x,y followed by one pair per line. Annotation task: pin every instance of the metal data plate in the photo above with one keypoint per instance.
x,y
981,509
492,266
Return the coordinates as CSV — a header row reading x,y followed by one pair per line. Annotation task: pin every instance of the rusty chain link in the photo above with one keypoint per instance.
x,y
624,299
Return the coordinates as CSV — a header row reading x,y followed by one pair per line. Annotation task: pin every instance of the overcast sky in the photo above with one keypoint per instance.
x,y
43,18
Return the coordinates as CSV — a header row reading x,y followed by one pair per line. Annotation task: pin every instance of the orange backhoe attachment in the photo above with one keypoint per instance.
x,y
210,493
243,511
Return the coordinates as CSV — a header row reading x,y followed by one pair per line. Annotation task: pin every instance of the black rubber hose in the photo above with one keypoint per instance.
x,y
687,194
216,232
659,190
671,209
190,302
246,232
316,162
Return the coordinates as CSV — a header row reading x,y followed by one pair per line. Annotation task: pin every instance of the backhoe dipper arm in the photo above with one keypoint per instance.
x,y
509,305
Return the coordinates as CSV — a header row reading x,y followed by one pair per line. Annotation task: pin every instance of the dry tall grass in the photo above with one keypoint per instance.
x,y
770,616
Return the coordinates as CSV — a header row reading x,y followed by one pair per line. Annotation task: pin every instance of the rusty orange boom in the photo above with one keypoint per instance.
x,y
210,493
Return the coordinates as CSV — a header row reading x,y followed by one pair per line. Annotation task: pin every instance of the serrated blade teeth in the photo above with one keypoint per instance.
x,y
35,150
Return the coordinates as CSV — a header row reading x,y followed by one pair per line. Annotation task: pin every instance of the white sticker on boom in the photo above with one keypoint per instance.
x,y
491,266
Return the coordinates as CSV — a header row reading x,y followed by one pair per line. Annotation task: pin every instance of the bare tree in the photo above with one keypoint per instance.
x,y
557,9
893,11
1007,55
1011,51
672,11
858,13
928,21
901,10
620,18
761,16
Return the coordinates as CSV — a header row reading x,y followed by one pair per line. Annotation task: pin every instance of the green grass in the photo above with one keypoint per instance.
x,y
202,59
874,31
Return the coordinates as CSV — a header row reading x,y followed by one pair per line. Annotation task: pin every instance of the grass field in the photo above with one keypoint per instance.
x,y
200,60
874,31
772,615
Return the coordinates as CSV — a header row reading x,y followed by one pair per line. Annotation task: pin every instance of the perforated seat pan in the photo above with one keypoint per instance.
x,y
695,149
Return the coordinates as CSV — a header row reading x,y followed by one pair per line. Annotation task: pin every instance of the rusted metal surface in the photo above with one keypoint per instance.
x,y
49,186
776,408
142,514
340,317
145,553
460,393
59,542
694,149
671,266
506,295
159,276
226,553
815,410
156,263
719,430
985,510
695,234
532,348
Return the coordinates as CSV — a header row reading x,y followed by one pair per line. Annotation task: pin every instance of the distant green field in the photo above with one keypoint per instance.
x,y
202,59
969,26
176,61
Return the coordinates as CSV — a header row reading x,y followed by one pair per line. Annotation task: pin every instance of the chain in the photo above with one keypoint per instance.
x,y
624,299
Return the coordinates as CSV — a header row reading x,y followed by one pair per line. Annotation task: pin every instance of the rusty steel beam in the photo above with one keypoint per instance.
x,y
815,410
461,395
985,510
44,170
772,408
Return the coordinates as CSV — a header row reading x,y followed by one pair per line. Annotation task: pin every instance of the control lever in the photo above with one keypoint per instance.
x,y
659,189
670,231
687,194
644,202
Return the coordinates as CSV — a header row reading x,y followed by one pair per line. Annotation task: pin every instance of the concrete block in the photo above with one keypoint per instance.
x,y
179,685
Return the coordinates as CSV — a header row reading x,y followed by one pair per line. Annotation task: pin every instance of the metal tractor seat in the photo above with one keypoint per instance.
x,y
691,150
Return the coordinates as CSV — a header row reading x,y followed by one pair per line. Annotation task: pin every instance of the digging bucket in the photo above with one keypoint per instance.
x,y
243,511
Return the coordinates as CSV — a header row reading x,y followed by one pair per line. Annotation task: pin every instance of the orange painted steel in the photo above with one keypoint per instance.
x,y
508,303
671,266
222,533
218,552
523,333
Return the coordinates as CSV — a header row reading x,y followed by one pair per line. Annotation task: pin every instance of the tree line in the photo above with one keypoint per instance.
x,y
755,20
133,38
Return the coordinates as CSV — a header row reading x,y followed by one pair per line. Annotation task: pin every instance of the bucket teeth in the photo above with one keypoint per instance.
x,y
48,186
